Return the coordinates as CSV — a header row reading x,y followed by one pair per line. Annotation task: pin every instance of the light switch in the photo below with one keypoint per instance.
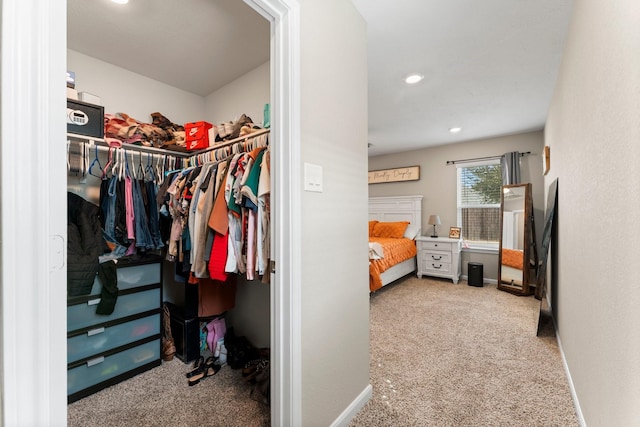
x,y
312,177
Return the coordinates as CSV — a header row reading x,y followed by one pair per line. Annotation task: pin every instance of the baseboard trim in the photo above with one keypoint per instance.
x,y
354,407
484,280
574,396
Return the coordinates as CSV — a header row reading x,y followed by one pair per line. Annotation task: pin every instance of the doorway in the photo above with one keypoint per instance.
x,y
34,39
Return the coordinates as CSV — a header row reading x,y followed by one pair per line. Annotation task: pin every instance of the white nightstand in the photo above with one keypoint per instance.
x,y
439,257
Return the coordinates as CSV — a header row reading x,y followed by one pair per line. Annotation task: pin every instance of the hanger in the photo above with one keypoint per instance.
x,y
148,170
93,163
109,163
160,170
140,174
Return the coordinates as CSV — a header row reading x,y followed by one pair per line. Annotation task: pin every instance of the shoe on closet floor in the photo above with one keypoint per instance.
x,y
196,367
209,369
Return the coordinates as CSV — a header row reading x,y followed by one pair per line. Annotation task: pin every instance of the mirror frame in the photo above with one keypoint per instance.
x,y
529,243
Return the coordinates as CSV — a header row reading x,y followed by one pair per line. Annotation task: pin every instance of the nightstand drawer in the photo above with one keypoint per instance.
x,y
431,245
437,257
84,315
99,340
103,368
437,267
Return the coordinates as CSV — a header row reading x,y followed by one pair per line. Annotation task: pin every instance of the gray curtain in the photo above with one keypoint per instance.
x,y
510,163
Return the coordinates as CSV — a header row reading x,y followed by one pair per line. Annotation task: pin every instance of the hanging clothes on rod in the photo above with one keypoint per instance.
x,y
150,198
220,209
128,184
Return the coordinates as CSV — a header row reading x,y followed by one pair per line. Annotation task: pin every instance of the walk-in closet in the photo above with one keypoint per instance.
x,y
154,69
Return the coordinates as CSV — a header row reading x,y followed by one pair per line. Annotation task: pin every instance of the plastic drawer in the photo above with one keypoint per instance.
x,y
101,369
84,315
132,277
101,339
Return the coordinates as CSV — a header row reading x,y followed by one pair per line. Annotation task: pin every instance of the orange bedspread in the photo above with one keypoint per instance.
x,y
395,251
513,258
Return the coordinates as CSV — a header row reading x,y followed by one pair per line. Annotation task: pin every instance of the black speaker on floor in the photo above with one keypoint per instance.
x,y
475,274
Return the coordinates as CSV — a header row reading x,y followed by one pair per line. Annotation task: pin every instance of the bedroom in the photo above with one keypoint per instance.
x,y
440,199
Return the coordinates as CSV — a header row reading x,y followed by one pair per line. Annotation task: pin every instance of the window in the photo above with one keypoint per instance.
x,y
479,186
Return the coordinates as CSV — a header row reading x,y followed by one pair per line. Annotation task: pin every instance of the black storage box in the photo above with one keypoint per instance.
x,y
85,119
186,334
475,274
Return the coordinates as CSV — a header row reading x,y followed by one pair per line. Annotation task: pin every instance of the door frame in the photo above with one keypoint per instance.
x,y
33,218
285,292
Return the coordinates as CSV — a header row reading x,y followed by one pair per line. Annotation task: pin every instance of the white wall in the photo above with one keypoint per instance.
x,y
594,132
131,93
245,95
438,181
335,303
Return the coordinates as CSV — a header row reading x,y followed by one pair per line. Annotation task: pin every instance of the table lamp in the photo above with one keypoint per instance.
x,y
434,220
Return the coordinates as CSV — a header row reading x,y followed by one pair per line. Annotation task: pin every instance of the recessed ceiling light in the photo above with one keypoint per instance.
x,y
120,1
414,78
455,130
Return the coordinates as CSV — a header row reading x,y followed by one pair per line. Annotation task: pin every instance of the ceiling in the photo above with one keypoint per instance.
x,y
195,45
489,66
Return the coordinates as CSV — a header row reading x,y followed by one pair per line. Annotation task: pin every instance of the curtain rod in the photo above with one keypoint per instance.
x,y
453,162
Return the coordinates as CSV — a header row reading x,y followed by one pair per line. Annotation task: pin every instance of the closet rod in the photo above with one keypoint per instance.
x,y
106,148
164,151
100,142
453,162
230,142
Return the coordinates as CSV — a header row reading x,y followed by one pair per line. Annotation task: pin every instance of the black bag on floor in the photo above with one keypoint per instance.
x,y
239,349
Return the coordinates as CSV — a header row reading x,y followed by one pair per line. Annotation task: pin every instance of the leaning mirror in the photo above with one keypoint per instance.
x,y
516,236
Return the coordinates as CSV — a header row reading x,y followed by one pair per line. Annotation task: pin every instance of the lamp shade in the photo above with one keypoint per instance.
x,y
434,220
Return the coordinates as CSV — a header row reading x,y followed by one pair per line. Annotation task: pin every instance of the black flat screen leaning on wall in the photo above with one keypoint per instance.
x,y
545,319
547,232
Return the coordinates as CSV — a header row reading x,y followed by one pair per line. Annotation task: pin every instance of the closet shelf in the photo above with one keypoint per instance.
x,y
181,154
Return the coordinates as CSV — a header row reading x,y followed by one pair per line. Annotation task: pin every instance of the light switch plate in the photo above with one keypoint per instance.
x,y
312,177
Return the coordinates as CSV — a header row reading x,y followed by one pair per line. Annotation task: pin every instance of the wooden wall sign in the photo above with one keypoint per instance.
x,y
409,173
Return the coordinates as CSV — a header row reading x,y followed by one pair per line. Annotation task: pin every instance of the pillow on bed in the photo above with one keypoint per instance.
x,y
371,225
411,232
393,230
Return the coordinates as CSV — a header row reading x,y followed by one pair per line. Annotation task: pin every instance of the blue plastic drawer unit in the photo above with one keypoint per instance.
x,y
84,315
102,368
130,277
105,349
103,338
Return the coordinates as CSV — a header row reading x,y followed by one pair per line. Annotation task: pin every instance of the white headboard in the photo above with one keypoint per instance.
x,y
396,208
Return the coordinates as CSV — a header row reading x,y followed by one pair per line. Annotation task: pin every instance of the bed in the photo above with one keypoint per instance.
x,y
511,271
387,263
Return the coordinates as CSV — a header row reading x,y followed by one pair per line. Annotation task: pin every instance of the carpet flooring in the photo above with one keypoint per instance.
x,y
441,355
458,355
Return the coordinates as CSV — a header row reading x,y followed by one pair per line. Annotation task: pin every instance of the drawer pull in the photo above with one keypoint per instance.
x,y
93,301
95,331
437,266
436,259
95,361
